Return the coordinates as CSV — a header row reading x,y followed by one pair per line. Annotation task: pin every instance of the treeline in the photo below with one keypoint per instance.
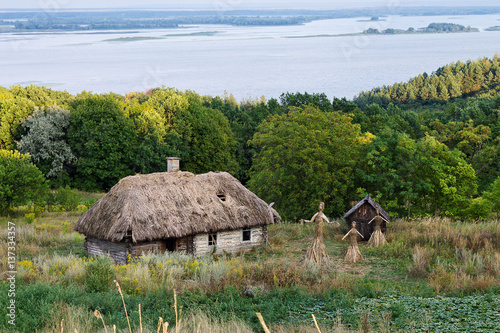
x,y
448,27
117,24
151,19
439,159
431,28
54,24
480,78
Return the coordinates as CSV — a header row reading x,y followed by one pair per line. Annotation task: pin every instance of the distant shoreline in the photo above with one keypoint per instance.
x,y
24,20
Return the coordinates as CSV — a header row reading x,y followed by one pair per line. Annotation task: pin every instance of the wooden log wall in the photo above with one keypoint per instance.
x,y
185,244
118,251
230,241
147,247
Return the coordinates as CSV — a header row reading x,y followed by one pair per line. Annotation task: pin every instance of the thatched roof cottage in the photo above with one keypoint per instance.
x,y
176,211
362,213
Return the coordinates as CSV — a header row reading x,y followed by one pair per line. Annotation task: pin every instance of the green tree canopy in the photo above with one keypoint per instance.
x,y
103,139
13,110
306,156
422,177
208,142
20,180
46,141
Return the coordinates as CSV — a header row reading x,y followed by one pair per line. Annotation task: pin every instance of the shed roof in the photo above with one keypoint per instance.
x,y
172,205
372,202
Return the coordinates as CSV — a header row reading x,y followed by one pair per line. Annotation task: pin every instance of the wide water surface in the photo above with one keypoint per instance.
x,y
247,62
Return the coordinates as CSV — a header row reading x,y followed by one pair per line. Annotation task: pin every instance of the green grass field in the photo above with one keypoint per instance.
x,y
434,275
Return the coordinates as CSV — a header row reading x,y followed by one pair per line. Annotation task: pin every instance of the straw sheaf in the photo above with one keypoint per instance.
x,y
173,204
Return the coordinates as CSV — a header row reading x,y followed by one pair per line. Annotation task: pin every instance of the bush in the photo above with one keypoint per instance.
x,y
99,275
20,181
479,209
66,197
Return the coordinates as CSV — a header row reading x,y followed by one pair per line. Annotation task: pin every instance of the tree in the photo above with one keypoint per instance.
x,y
46,141
208,143
103,139
423,177
319,100
13,110
452,180
244,118
475,142
493,196
168,102
305,157
388,171
151,131
20,180
479,209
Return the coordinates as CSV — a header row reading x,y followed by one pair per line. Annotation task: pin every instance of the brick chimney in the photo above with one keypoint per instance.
x,y
173,164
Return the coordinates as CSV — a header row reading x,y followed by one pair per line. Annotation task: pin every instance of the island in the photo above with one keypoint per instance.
x,y
431,28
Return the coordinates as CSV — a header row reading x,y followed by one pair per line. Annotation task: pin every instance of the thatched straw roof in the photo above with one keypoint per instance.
x,y
372,202
173,204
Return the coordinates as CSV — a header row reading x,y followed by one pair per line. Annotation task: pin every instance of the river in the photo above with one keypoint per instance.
x,y
248,62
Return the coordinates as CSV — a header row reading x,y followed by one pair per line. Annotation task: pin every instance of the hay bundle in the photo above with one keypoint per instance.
x,y
353,253
377,238
173,205
317,251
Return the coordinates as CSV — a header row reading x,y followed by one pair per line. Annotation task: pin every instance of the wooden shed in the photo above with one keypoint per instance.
x,y
362,213
176,211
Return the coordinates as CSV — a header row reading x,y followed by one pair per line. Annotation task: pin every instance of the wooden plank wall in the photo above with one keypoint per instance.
x,y
185,244
230,241
362,216
118,251
147,247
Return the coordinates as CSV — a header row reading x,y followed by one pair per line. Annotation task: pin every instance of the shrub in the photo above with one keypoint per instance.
x,y
65,197
479,209
99,275
20,181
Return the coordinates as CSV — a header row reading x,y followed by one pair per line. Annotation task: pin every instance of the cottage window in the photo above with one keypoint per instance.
x,y
246,234
221,196
212,239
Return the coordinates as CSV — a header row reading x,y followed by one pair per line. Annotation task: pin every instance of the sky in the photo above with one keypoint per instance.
x,y
232,4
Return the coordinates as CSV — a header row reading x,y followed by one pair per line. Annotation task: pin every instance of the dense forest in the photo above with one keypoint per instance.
x,y
429,146
52,19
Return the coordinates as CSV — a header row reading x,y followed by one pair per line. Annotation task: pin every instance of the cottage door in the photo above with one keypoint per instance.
x,y
171,244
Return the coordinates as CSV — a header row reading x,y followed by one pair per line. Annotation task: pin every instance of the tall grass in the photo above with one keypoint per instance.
x,y
431,254
455,256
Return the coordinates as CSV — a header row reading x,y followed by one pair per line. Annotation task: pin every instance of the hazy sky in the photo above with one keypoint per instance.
x,y
232,4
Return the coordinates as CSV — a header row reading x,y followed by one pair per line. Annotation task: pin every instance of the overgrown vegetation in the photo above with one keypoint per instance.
x,y
451,269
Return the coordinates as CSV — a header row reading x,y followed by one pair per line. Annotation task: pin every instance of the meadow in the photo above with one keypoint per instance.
x,y
434,274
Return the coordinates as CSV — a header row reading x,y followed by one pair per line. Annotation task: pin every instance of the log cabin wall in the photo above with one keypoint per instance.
x,y
147,247
185,245
118,251
230,241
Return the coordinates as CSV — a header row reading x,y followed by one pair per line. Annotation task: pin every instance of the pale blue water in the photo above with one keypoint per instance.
x,y
245,61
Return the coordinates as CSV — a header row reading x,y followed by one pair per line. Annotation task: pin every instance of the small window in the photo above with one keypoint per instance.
x,y
246,235
221,196
212,239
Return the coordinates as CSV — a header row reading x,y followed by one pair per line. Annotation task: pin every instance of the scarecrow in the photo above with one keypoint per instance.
x,y
353,254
